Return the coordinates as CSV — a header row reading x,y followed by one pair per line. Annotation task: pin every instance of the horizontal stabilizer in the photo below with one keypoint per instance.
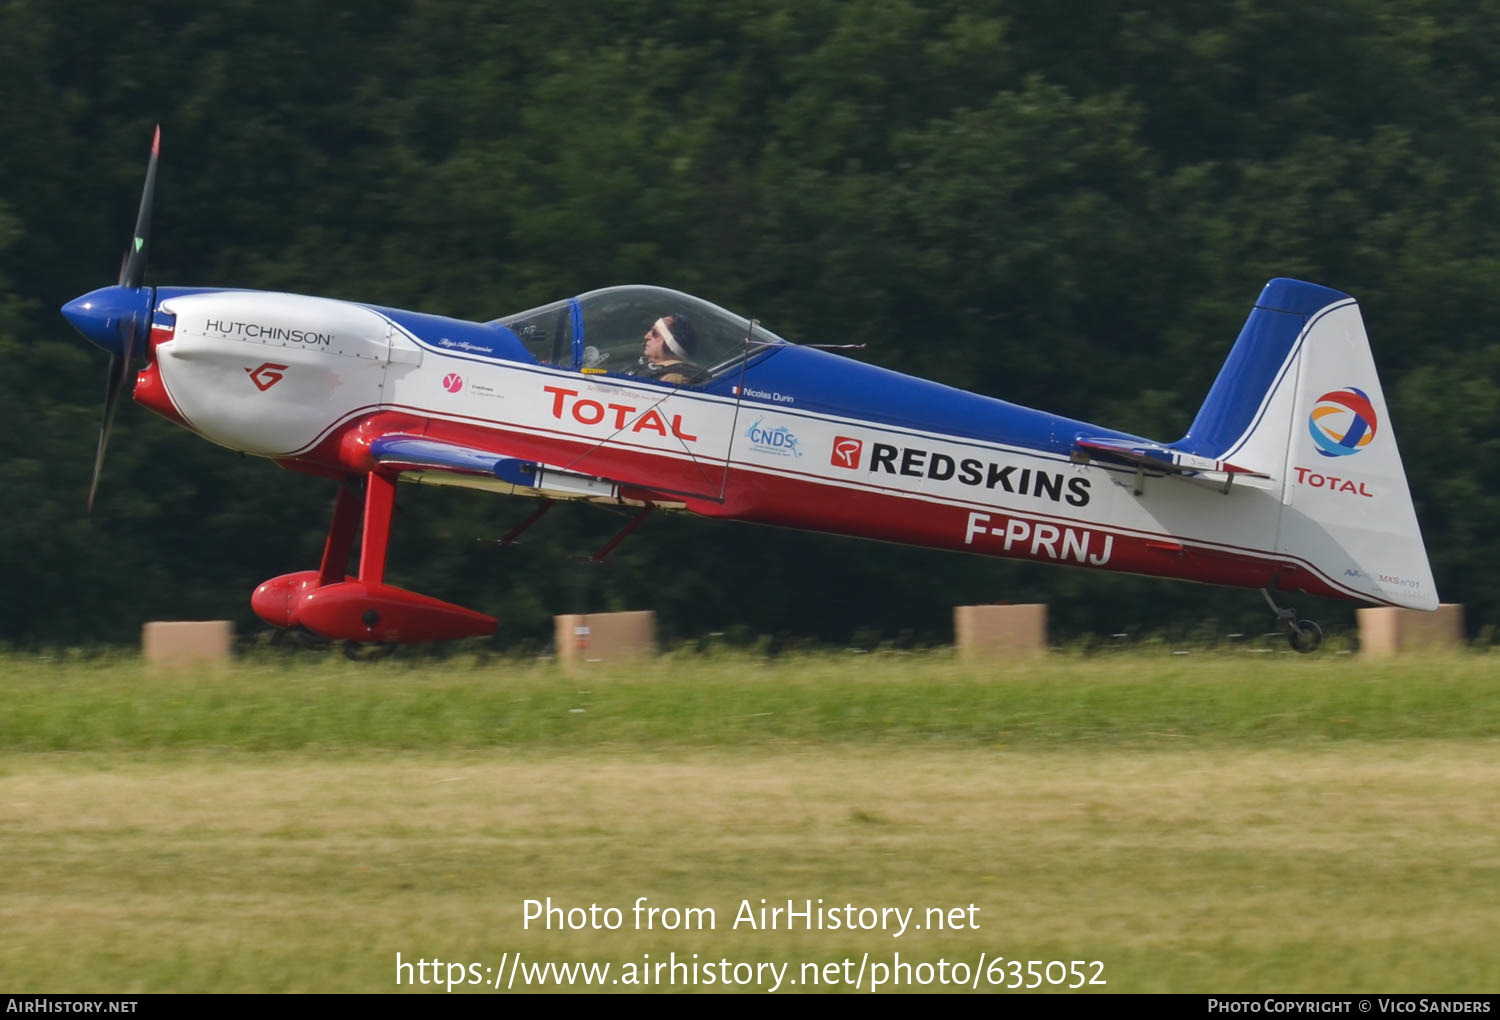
x,y
1138,453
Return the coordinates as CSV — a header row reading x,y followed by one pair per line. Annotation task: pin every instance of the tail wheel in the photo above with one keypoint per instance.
x,y
1305,636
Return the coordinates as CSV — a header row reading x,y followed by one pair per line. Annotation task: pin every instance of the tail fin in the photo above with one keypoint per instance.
x,y
1299,399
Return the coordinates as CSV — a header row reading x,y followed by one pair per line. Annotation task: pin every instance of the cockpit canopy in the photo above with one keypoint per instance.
x,y
604,331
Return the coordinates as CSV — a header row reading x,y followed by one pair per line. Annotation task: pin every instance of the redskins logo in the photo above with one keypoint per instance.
x,y
1342,422
846,452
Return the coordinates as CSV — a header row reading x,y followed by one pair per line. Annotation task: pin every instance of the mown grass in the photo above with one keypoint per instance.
x,y
1353,868
330,706
1197,823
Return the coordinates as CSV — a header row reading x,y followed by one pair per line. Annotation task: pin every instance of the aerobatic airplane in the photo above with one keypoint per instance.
x,y
1288,480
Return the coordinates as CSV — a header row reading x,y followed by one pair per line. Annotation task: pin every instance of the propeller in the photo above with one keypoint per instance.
x,y
117,318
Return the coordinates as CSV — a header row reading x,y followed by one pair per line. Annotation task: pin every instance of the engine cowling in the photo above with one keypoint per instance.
x,y
269,374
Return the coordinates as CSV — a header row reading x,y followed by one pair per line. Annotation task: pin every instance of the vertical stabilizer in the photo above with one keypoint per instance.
x,y
1299,399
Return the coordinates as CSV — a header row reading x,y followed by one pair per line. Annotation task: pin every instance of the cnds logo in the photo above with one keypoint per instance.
x,y
780,440
846,452
266,375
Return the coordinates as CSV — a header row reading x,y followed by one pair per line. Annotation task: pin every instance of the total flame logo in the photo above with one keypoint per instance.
x,y
1342,422
846,452
266,375
453,382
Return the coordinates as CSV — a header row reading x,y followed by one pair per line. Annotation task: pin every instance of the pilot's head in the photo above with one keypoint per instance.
x,y
671,338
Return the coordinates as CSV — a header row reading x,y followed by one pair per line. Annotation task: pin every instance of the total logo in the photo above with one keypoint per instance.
x,y
619,417
1314,480
266,375
1342,422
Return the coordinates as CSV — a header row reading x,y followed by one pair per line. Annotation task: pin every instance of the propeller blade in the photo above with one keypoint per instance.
x,y
114,385
115,318
119,369
134,269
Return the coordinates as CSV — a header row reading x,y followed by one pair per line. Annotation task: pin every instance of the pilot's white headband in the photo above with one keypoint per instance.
x,y
666,334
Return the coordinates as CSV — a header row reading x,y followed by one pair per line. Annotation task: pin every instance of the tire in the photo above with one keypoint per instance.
x,y
1306,636
366,652
306,639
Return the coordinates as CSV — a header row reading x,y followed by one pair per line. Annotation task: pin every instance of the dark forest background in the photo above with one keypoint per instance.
x,y
1069,205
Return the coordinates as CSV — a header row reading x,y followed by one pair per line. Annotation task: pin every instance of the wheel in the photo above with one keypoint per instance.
x,y
1305,636
307,639
362,652
297,638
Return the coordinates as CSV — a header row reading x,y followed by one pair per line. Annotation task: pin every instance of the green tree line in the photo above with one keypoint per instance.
x,y
1069,206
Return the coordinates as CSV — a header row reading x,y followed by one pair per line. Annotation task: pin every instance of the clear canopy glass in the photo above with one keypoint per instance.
x,y
606,331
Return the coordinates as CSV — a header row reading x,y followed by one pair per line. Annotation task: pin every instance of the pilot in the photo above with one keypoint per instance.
x,y
671,343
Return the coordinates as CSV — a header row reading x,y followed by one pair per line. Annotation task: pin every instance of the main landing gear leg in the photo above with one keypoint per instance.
x,y
1304,635
334,568
340,540
380,500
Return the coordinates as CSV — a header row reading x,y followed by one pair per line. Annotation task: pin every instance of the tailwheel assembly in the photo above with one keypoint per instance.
x,y
1303,635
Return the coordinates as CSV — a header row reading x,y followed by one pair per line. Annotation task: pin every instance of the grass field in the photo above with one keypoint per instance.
x,y
1195,823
